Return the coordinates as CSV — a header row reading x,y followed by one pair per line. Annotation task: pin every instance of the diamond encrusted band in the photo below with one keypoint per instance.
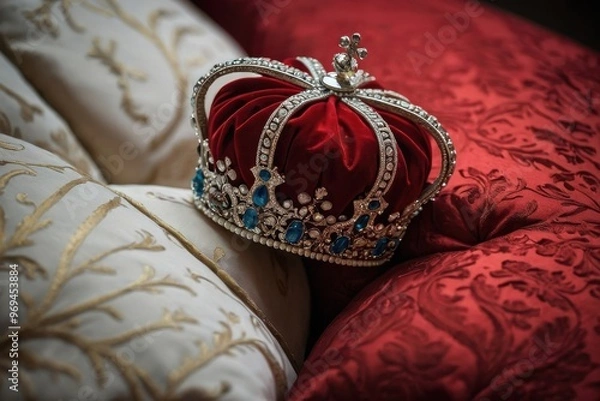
x,y
305,227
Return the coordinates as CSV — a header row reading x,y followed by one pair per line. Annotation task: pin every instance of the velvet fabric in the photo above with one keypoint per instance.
x,y
496,289
326,144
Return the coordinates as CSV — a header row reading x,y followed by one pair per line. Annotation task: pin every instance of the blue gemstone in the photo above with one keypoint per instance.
x,y
340,245
250,218
264,175
361,222
198,182
374,205
294,232
260,197
380,247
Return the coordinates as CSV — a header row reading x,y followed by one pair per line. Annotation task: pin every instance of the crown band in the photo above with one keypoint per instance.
x,y
305,227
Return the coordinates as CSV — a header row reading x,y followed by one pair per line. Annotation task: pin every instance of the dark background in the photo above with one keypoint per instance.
x,y
578,19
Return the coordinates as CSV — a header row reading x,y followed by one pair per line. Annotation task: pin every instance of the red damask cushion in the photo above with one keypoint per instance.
x,y
495,294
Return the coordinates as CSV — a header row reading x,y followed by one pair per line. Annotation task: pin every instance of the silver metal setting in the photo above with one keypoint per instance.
x,y
304,226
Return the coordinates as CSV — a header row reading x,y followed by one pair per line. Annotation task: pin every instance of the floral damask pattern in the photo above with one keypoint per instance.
x,y
43,18
122,78
485,324
24,115
498,279
274,282
81,287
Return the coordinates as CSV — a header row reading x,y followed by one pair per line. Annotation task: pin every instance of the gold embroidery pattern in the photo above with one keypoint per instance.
x,y
225,343
169,52
277,260
168,198
62,143
223,275
124,74
63,146
47,319
7,128
42,18
13,147
277,264
28,110
263,326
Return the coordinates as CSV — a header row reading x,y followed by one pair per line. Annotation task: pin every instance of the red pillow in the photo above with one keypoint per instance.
x,y
496,291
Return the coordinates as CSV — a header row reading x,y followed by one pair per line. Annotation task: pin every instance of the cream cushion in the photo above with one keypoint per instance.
x,y
273,279
120,73
24,114
112,305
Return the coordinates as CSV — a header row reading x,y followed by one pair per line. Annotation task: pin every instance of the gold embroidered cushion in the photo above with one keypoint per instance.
x,y
24,114
113,306
274,280
120,73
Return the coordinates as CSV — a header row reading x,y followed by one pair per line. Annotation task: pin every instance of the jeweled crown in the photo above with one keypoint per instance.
x,y
304,226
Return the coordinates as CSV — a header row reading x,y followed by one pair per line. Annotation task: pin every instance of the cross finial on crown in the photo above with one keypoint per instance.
x,y
346,63
351,46
347,76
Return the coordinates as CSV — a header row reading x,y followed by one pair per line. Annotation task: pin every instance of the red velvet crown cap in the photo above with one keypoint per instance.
x,y
326,144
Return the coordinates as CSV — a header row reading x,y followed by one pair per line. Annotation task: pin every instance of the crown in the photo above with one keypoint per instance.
x,y
305,225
